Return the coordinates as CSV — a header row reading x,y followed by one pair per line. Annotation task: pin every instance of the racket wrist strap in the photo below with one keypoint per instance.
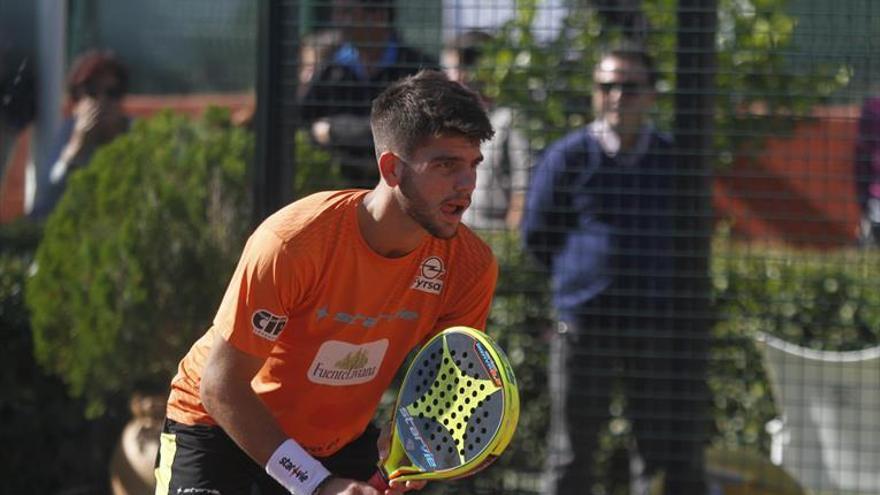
x,y
295,469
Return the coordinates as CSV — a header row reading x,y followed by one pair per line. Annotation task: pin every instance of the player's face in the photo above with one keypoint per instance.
x,y
621,93
437,181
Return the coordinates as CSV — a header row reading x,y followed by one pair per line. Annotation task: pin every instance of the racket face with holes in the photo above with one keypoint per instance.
x,y
457,407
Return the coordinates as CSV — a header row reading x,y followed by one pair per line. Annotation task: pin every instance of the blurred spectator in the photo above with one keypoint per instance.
x,y
315,50
498,199
600,215
868,172
96,84
336,104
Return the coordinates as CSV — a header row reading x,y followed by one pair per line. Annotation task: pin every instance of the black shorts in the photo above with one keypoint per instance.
x,y
203,460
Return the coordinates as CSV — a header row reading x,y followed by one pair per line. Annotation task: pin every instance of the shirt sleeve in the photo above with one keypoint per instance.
x,y
254,311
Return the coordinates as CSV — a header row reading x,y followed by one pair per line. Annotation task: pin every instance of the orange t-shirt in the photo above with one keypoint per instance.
x,y
333,319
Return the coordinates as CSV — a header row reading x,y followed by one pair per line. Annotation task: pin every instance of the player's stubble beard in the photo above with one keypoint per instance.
x,y
418,208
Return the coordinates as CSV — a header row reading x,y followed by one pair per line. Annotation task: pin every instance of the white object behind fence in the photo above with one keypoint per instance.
x,y
830,427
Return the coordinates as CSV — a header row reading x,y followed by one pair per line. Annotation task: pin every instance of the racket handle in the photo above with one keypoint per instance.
x,y
378,481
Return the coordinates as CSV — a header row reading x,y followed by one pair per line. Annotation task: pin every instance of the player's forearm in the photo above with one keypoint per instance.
x,y
243,416
228,397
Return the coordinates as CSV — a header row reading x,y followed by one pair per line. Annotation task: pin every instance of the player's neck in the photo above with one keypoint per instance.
x,y
387,230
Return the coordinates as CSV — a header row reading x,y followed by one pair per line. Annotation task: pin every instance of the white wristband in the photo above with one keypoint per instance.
x,y
295,469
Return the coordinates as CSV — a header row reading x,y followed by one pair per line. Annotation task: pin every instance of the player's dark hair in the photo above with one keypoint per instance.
x,y
426,105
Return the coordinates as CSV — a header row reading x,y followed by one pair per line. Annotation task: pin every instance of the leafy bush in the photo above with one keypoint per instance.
x,y
315,168
39,419
136,255
820,300
138,252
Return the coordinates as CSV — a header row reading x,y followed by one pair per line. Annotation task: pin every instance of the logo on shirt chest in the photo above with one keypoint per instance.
x,y
366,321
430,276
340,363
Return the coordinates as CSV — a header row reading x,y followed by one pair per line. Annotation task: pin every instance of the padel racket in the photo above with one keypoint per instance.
x,y
456,410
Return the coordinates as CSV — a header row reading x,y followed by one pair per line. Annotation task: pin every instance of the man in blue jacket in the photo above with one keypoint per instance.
x,y
600,215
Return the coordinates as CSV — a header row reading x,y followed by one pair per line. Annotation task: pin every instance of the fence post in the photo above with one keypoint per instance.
x,y
274,123
694,114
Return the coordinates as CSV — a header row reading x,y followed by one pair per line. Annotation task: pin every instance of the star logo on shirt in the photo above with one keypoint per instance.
x,y
322,313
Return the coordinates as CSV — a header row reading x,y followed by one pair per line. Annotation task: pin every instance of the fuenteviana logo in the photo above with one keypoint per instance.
x,y
341,363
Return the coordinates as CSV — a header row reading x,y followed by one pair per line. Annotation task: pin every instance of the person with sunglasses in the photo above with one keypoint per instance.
x,y
96,83
600,216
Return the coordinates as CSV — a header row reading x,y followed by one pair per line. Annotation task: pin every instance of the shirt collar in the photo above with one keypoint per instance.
x,y
609,141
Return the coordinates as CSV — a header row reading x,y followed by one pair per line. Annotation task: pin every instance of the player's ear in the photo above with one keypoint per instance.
x,y
389,168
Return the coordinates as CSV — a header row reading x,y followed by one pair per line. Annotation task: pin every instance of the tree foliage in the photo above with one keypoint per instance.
x,y
38,415
138,252
760,88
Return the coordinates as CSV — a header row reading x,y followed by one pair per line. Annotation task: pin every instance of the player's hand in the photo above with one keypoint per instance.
x,y
396,487
383,444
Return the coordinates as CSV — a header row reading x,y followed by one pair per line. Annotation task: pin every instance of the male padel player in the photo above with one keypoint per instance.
x,y
330,295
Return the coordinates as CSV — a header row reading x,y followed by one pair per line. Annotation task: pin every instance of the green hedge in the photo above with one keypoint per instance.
x,y
129,271
820,300
137,254
40,420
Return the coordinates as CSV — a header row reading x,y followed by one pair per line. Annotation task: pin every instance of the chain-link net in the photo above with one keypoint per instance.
x,y
683,197
672,184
